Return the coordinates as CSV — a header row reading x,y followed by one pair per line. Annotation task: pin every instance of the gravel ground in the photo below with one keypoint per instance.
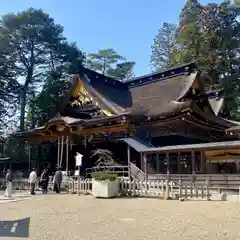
x,y
72,217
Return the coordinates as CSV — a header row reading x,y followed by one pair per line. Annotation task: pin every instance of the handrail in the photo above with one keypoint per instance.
x,y
134,166
137,172
104,167
114,169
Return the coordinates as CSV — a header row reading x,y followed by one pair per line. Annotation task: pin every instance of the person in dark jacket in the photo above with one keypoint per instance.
x,y
44,179
57,180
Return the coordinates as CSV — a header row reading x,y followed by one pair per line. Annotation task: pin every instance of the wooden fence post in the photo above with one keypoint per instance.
x,y
162,188
134,187
207,190
78,185
239,194
186,188
69,185
180,189
171,188
191,189
196,189
168,177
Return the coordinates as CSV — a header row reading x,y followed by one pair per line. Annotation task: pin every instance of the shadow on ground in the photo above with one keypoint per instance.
x,y
17,228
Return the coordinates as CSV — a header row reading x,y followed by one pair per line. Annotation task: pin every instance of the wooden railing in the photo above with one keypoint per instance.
x,y
136,173
121,171
193,190
221,181
80,186
147,188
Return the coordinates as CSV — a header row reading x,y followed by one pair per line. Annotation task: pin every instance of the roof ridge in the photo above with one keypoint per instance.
x,y
162,75
191,64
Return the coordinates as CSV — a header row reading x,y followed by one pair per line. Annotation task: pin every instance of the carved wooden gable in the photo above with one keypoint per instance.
x,y
82,104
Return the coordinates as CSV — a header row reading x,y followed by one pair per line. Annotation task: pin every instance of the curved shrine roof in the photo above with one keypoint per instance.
x,y
151,95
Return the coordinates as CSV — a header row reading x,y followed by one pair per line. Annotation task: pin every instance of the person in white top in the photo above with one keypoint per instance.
x,y
8,192
33,180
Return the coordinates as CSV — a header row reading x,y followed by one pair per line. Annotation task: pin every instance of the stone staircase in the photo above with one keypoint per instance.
x,y
137,144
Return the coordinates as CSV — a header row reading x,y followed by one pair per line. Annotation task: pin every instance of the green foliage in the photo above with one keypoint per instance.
x,y
8,86
103,176
109,62
163,46
210,35
188,33
34,45
123,71
103,59
50,100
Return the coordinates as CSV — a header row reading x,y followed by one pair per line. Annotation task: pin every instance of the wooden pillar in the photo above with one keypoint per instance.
x,y
29,157
129,160
168,166
179,166
141,161
145,165
58,149
67,149
157,163
193,163
203,162
168,176
61,152
85,141
237,166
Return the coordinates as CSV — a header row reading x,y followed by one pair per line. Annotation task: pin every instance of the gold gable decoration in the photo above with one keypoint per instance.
x,y
80,97
106,113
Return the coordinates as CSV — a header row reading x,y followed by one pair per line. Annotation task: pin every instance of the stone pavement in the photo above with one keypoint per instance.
x,y
23,195
17,196
62,217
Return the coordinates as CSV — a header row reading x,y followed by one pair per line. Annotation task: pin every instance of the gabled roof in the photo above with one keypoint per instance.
x,y
216,100
150,95
162,74
162,97
160,94
216,104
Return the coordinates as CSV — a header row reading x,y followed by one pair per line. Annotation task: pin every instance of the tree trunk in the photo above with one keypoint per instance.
x,y
23,106
33,120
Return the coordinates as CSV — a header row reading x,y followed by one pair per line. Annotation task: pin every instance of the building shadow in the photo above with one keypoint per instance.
x,y
17,228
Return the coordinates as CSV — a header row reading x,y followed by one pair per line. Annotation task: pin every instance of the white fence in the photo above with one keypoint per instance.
x,y
220,181
80,186
148,188
193,190
151,188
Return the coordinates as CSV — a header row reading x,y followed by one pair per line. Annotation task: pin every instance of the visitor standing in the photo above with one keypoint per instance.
x,y
33,180
58,180
44,179
8,192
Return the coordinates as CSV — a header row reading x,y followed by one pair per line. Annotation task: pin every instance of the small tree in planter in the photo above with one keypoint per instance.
x,y
104,157
104,183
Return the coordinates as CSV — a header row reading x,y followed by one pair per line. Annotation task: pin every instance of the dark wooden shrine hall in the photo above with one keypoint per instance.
x,y
164,109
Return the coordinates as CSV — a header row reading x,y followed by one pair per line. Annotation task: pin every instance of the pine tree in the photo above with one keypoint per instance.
x,y
163,46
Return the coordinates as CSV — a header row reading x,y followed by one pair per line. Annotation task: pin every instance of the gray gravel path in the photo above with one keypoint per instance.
x,y
83,217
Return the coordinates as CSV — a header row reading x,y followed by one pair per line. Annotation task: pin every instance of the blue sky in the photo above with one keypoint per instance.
x,y
128,26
